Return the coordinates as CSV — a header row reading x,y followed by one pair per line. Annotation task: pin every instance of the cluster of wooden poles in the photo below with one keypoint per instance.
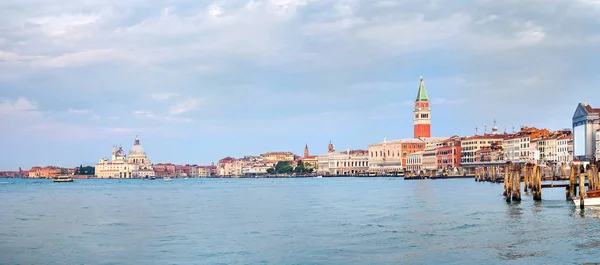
x,y
531,176
532,179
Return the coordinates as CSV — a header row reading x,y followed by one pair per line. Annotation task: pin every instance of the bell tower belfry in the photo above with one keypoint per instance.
x,y
422,113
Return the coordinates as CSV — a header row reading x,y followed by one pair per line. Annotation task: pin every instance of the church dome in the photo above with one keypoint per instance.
x,y
137,149
120,153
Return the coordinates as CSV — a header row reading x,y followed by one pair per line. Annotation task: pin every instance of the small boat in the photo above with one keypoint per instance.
x,y
167,179
318,177
62,179
592,198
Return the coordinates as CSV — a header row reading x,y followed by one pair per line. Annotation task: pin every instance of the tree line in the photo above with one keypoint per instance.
x,y
284,167
87,170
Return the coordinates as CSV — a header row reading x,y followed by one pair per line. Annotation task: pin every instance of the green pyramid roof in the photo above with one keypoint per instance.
x,y
422,94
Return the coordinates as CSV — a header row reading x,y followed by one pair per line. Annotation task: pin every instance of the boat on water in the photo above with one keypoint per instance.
x,y
318,177
167,179
592,198
63,179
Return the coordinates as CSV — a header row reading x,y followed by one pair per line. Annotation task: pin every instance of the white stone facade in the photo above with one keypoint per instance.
x,y
386,157
347,163
414,162
472,144
598,145
517,148
564,149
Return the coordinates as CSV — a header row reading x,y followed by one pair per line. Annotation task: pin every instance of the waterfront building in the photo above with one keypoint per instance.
x,y
548,146
206,171
46,172
422,113
414,162
448,153
386,157
390,157
586,122
516,147
430,161
225,167
256,169
137,166
182,171
470,145
492,153
564,146
523,145
164,170
351,162
275,157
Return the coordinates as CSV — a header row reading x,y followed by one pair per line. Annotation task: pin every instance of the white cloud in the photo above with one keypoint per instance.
x,y
78,111
414,32
62,25
80,58
184,106
156,117
163,96
439,101
531,34
386,3
8,107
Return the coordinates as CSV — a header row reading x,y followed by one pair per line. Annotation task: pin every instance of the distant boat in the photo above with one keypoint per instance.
x,y
318,177
62,179
167,179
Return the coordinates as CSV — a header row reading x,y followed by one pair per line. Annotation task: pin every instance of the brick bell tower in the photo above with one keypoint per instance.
x,y
422,121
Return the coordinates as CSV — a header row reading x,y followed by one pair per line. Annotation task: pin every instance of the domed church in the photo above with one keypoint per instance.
x,y
136,165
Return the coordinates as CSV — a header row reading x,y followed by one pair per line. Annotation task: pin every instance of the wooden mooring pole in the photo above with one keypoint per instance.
x,y
525,178
509,185
572,181
506,174
581,190
537,184
516,185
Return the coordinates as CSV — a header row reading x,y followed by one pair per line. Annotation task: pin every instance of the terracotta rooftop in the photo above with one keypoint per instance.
x,y
592,110
227,159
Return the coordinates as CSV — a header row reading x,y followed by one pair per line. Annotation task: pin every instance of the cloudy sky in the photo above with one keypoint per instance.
x,y
201,80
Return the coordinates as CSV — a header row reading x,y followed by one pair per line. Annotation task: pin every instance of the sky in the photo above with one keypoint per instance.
x,y
202,80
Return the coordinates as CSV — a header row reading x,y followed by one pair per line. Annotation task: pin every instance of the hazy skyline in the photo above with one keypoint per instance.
x,y
201,80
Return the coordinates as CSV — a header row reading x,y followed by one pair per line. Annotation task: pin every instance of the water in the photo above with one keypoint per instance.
x,y
288,221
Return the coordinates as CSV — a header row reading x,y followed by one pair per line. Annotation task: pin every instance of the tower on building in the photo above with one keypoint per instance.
x,y
306,150
422,120
330,148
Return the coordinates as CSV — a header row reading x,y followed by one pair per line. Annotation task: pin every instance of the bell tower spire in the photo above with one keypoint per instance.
x,y
306,150
422,112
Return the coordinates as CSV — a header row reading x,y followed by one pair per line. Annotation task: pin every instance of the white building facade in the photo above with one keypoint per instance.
x,y
355,162
564,149
598,145
414,162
